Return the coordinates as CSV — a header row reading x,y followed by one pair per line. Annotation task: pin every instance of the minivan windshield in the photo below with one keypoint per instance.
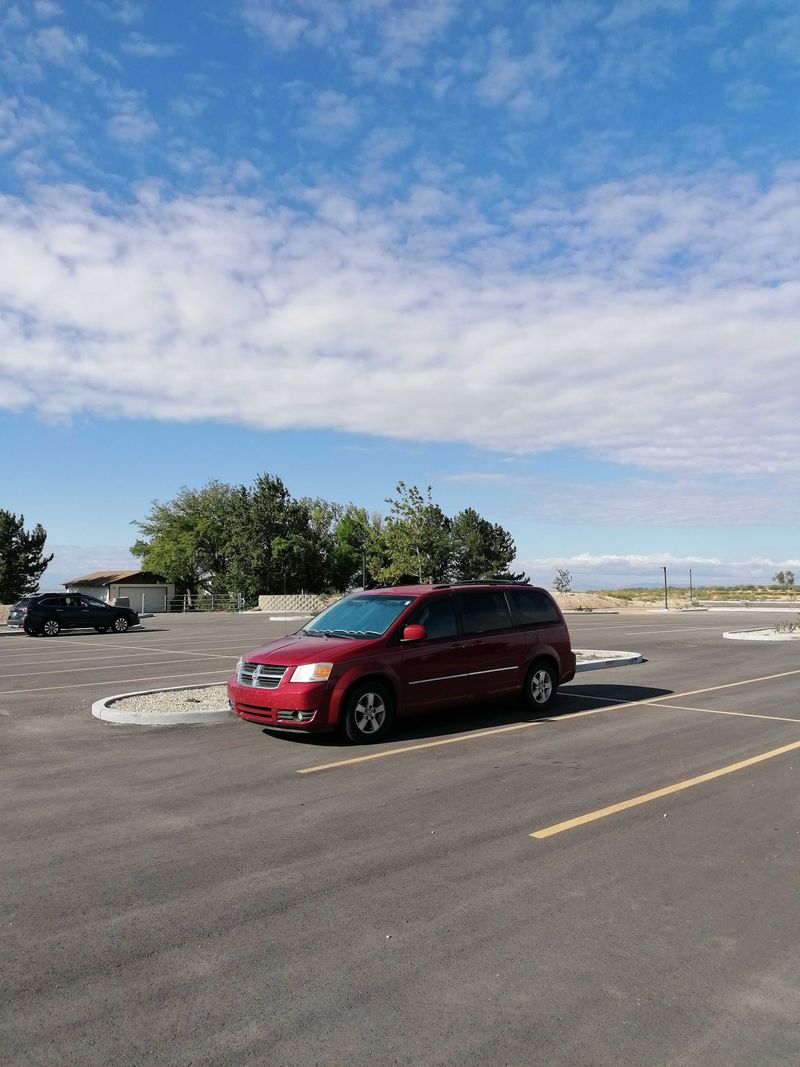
x,y
358,616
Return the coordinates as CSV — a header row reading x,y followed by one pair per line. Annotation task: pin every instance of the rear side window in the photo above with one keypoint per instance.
x,y
484,612
52,602
532,608
438,617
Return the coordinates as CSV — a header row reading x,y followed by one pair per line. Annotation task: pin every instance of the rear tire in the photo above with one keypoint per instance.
x,y
101,629
29,630
51,627
368,713
541,685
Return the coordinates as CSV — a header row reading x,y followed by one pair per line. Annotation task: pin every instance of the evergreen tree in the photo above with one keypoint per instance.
x,y
22,562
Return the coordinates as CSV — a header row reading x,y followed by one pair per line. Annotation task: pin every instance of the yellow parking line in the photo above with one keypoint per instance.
x,y
645,798
417,748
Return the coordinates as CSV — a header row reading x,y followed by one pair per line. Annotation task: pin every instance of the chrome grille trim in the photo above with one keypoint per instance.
x,y
261,675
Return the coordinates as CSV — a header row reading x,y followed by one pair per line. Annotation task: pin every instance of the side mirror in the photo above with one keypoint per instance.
x,y
414,632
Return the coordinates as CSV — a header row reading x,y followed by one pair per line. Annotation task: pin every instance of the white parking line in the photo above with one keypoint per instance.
x,y
105,667
117,681
674,630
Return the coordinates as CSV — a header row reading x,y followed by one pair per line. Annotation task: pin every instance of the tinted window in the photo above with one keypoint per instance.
x,y
52,602
26,600
531,608
92,602
438,618
483,612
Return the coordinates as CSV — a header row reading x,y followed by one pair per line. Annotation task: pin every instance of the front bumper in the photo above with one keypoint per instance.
x,y
287,707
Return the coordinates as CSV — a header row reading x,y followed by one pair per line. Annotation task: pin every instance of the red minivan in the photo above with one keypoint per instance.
x,y
383,653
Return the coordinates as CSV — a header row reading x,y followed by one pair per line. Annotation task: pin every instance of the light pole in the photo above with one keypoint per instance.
x,y
666,605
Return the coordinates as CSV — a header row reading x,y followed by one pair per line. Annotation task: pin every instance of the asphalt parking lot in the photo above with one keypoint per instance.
x,y
614,884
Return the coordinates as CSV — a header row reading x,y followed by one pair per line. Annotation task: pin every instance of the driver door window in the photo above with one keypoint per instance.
x,y
438,617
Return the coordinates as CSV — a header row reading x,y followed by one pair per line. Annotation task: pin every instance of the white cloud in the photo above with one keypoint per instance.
x,y
58,46
380,40
612,571
658,328
140,46
124,11
132,123
72,561
332,117
47,9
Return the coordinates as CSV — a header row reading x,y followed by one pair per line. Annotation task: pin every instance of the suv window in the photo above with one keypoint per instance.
x,y
483,612
532,608
92,602
438,617
52,602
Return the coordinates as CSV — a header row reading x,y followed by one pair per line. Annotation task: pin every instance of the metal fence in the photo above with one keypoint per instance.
x,y
230,602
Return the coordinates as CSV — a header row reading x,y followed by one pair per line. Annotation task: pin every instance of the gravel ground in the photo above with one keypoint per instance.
x,y
209,698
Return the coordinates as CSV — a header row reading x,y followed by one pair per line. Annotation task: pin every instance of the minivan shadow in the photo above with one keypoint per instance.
x,y
485,716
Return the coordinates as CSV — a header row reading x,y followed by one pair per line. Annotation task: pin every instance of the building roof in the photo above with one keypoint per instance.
x,y
108,577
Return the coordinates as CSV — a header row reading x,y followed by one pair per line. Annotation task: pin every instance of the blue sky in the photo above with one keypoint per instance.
x,y
541,256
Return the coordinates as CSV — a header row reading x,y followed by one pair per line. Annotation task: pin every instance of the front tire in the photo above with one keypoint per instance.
x,y
120,624
541,685
369,713
51,627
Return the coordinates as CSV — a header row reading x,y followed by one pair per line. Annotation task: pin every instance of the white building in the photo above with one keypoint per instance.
x,y
140,590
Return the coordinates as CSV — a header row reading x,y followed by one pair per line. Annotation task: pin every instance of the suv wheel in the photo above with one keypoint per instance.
x,y
540,685
101,629
369,713
120,624
51,627
29,630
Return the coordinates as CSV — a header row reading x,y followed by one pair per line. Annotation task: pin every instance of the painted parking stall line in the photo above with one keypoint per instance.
x,y
657,794
555,720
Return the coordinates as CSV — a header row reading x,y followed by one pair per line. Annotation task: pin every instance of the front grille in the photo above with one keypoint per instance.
x,y
261,675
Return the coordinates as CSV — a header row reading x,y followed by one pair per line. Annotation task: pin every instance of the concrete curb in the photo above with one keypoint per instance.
x,y
11,631
103,709
761,634
590,611
610,659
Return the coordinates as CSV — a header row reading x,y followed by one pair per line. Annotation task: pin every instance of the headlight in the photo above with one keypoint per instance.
x,y
312,672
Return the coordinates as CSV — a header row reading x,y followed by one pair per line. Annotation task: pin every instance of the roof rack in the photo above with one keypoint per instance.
x,y
485,581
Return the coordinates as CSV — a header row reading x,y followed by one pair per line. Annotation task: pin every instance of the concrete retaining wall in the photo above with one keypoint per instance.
x,y
308,603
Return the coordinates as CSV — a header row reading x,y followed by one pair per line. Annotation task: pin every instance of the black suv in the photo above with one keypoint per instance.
x,y
50,613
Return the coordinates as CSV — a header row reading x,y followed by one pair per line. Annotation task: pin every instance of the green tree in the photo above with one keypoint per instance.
x,y
479,548
22,562
186,539
359,548
416,538
265,554
785,582
562,583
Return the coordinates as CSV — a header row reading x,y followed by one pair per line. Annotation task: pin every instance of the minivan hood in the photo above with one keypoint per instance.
x,y
297,648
